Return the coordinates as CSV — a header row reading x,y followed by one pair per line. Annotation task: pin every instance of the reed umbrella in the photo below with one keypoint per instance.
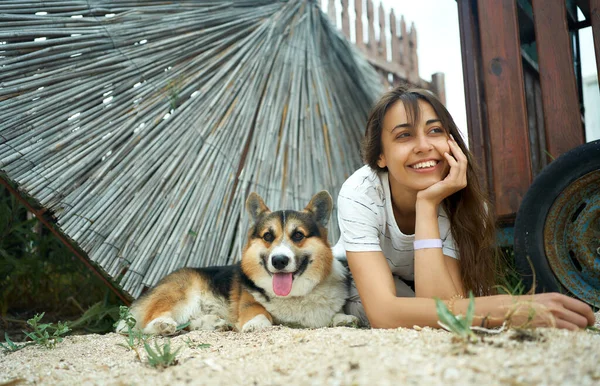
x,y
142,126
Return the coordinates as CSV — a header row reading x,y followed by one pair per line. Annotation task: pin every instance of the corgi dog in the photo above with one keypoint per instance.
x,y
287,275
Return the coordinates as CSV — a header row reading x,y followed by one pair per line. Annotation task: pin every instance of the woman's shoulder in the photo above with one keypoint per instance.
x,y
363,187
362,180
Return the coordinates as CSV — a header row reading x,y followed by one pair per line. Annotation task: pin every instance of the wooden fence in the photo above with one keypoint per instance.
x,y
396,61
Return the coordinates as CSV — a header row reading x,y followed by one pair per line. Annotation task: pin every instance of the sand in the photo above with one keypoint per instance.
x,y
326,356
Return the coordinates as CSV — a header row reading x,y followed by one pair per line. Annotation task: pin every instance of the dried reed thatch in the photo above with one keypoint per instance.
x,y
143,125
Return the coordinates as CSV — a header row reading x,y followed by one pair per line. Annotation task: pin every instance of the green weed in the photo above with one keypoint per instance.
x,y
162,357
459,325
99,318
593,330
10,346
509,279
41,335
193,345
134,336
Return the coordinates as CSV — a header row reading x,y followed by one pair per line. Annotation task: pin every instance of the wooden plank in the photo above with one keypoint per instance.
x,y
405,47
382,44
502,72
560,99
331,12
358,24
372,47
595,19
539,117
345,19
394,40
471,54
537,147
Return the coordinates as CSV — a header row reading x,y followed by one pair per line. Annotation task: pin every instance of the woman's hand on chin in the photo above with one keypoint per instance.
x,y
454,181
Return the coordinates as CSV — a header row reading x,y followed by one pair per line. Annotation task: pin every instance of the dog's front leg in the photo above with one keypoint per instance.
x,y
343,320
252,316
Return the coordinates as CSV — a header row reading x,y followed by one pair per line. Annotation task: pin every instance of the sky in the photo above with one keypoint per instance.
x,y
586,44
438,46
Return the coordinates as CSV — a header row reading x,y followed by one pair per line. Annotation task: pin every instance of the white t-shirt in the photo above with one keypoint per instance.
x,y
367,222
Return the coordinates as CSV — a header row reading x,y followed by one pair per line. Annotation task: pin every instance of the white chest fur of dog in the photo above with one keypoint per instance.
x,y
315,309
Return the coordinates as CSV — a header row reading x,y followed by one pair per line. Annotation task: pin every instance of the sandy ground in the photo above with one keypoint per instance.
x,y
328,356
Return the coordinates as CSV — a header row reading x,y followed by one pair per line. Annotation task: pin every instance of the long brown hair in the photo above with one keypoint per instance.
x,y
471,214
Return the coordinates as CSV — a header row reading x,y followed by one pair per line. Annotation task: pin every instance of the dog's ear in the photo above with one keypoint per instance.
x,y
320,207
256,206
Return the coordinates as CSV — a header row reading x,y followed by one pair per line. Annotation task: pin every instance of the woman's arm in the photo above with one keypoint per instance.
x,y
377,291
375,285
436,275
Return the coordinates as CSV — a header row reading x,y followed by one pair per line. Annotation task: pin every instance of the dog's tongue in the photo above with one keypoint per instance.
x,y
282,283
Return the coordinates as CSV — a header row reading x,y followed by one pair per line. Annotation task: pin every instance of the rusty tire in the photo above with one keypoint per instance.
x,y
557,229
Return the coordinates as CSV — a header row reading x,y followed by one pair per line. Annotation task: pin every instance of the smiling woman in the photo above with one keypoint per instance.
x,y
416,225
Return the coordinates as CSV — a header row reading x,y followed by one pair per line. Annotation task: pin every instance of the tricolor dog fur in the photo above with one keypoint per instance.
x,y
287,275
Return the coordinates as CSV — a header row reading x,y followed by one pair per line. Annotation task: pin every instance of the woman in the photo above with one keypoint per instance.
x,y
416,225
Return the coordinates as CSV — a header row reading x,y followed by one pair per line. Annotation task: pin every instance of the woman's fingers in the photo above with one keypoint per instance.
x,y
456,178
458,154
579,308
458,164
453,176
568,312
457,151
566,325
451,160
568,316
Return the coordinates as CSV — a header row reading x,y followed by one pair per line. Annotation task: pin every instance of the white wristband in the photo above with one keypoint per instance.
x,y
427,243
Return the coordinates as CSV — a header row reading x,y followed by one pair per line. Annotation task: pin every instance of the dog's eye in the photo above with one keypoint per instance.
x,y
297,236
268,237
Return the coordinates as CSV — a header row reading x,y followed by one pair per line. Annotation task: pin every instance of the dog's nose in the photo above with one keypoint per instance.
x,y
280,261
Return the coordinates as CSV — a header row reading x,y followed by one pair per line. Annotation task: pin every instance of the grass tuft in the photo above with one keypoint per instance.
x,y
162,357
459,325
593,330
41,335
134,337
193,345
10,346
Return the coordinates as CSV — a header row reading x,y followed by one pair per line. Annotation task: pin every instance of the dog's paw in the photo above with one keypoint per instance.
x,y
161,326
210,323
259,322
340,320
122,327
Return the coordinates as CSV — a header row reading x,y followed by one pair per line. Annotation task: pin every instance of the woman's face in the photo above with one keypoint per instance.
x,y
414,155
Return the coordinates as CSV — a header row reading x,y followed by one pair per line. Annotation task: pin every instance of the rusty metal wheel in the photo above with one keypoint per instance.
x,y
558,226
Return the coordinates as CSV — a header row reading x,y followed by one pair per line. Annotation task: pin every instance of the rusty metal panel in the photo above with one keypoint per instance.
x,y
562,117
505,104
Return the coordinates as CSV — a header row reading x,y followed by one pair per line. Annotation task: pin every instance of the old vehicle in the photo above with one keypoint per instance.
x,y
526,117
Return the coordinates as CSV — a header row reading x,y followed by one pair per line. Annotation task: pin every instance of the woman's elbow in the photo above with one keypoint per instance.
x,y
381,319
379,312
376,323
